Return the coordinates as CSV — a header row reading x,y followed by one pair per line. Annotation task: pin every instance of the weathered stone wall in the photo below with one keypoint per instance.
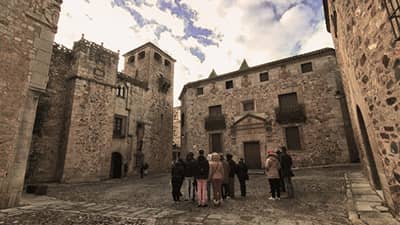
x,y
89,138
323,137
155,108
49,129
177,126
26,34
368,56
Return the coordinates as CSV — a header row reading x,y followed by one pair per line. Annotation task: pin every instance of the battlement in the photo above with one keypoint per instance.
x,y
61,48
96,52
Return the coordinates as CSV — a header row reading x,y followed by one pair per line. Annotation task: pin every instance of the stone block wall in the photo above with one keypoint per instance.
x,y
90,129
49,128
368,56
177,126
26,35
323,135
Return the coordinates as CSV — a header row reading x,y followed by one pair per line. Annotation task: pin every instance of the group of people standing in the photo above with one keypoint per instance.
x,y
205,172
199,175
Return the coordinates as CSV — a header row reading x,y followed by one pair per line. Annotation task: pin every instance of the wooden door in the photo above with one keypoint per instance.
x,y
252,155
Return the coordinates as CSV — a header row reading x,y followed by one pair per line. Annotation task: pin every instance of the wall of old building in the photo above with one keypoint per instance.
x,y
49,129
90,128
155,109
27,31
368,57
323,136
177,126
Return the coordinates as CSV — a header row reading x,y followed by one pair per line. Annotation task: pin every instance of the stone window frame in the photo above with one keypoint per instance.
x,y
199,91
301,136
121,91
229,84
305,69
264,76
252,101
131,59
215,114
167,63
298,90
119,126
209,134
157,57
393,11
141,55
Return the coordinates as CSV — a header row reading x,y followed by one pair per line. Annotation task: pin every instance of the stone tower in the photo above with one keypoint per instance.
x,y
90,112
154,68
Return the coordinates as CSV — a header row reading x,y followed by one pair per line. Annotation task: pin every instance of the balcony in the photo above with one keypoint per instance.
x,y
292,114
215,122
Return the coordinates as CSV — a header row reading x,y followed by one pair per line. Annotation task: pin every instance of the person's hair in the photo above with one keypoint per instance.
x,y
229,156
284,149
201,152
215,157
190,155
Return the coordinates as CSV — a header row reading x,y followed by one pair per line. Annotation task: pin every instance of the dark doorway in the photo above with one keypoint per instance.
x,y
252,155
216,142
116,165
368,150
139,136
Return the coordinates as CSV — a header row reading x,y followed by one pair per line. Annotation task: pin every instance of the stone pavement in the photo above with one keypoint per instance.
x,y
366,205
320,199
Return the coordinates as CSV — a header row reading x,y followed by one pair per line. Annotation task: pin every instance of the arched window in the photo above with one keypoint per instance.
x,y
157,57
167,63
142,55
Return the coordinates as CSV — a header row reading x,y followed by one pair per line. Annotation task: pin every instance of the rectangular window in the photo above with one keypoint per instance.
x,y
248,105
200,91
264,76
216,142
142,55
119,126
393,11
157,57
288,101
229,84
215,110
306,67
292,138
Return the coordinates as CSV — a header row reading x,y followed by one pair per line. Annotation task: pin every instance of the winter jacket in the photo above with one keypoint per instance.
x,y
233,168
242,171
272,166
226,172
202,168
286,165
190,167
216,170
178,170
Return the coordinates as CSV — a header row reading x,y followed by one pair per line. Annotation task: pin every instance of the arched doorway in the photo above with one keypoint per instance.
x,y
368,150
116,165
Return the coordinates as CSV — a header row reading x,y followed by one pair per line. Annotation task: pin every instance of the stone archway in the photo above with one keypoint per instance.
x,y
368,151
116,165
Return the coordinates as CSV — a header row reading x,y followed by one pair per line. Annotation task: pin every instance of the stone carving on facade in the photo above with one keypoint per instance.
x,y
46,11
214,88
245,81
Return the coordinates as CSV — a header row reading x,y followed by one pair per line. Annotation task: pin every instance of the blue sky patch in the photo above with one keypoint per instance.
x,y
198,53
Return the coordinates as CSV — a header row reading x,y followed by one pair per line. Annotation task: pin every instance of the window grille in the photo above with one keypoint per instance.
x,y
393,10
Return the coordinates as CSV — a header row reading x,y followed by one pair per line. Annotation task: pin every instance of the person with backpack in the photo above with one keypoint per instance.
x,y
272,166
201,175
177,176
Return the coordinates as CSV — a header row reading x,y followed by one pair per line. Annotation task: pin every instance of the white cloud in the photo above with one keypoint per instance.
x,y
242,29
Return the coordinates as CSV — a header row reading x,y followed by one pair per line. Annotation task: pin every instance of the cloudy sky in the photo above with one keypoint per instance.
x,y
200,34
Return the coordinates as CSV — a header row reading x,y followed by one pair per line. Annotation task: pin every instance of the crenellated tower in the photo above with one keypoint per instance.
x,y
90,112
151,66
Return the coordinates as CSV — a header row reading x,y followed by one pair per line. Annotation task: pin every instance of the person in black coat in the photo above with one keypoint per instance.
x,y
286,171
243,175
232,172
190,169
201,175
177,176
